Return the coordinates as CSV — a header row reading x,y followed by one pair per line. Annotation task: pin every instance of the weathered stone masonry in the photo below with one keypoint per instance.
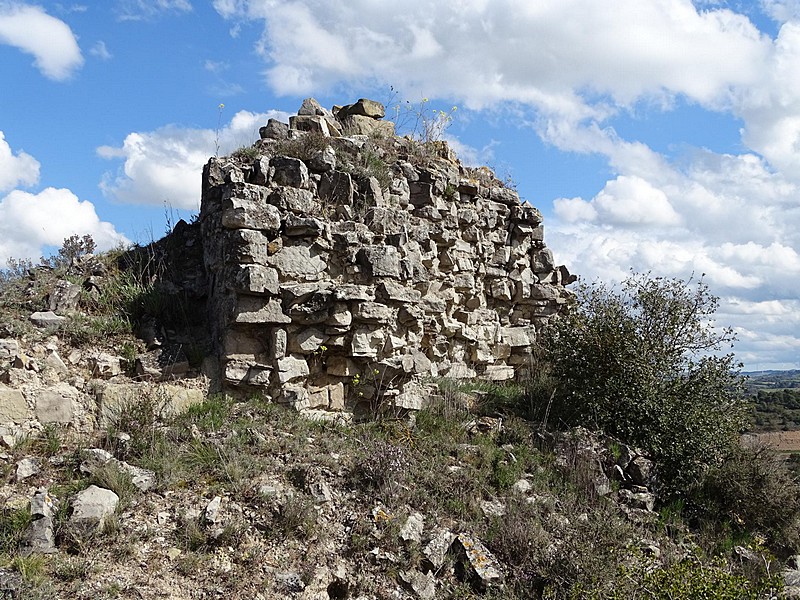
x,y
328,291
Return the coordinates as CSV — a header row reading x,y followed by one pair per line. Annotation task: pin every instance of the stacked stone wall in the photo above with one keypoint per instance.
x,y
351,274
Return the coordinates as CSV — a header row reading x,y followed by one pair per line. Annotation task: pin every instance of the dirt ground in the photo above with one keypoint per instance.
x,y
782,441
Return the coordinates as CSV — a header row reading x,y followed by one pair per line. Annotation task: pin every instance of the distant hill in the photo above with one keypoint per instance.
x,y
776,399
772,380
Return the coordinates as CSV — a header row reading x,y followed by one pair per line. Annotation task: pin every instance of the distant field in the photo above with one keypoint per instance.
x,y
782,441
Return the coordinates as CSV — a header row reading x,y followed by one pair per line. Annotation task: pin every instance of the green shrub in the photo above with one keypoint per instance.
x,y
752,490
638,363
691,579
304,147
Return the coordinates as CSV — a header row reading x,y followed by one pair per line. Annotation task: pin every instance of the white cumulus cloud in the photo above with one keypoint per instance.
x,y
16,169
29,222
483,52
624,201
163,167
50,40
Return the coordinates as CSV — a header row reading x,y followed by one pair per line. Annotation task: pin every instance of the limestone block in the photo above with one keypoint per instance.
x,y
526,213
394,343
8,349
400,190
464,262
301,260
324,161
504,195
255,309
13,408
464,281
255,279
336,188
297,200
291,172
421,194
373,192
279,342
259,375
367,343
91,510
421,363
336,396
472,234
317,397
348,292
361,125
467,216
291,368
310,106
460,371
39,538
236,371
242,342
47,319
543,261
295,226
64,296
481,561
412,397
544,292
410,315
393,291
379,261
341,366
104,365
295,396
372,312
364,107
517,337
308,304
275,130
55,404
311,123
340,317
53,361
434,304
244,213
248,246
500,290
498,373
481,354
306,340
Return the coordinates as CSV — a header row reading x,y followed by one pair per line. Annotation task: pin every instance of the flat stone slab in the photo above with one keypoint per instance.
x,y
54,405
47,319
91,509
13,408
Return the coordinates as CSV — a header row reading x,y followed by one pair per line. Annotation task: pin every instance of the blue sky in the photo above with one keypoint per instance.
x,y
659,135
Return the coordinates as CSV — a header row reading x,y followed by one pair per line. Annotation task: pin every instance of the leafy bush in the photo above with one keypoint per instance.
x,y
753,490
638,363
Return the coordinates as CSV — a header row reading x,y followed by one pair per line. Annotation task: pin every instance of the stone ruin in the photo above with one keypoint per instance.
x,y
347,266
